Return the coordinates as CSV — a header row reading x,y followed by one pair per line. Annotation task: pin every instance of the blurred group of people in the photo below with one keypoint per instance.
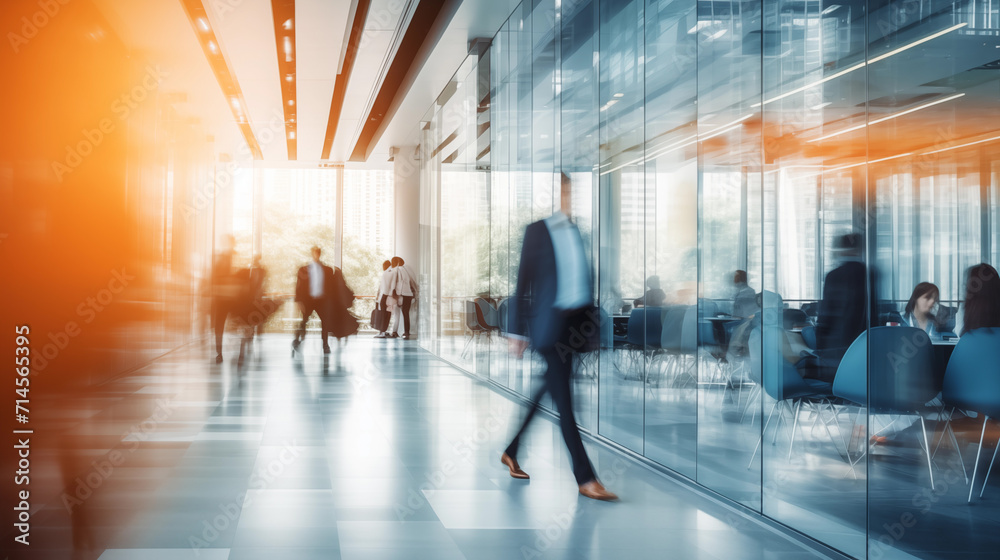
x,y
237,296
396,290
850,305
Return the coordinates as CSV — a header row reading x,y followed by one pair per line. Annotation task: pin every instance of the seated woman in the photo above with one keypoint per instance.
x,y
654,296
919,312
981,307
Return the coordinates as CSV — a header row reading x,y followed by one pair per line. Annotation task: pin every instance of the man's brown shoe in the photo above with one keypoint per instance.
x,y
515,469
596,491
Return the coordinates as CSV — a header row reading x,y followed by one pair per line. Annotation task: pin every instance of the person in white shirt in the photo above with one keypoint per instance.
x,y
384,291
402,286
313,289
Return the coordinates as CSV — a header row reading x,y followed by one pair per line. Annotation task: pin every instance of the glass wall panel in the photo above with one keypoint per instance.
x,y
729,82
501,282
815,299
621,207
931,161
579,135
762,186
671,414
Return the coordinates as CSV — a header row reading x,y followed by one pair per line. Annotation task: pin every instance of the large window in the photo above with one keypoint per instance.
x,y
280,213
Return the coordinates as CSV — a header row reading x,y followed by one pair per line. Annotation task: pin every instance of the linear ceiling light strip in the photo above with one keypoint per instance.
x,y
224,74
283,12
340,85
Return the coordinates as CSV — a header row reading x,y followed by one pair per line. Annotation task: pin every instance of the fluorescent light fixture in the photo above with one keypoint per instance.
x,y
863,64
213,47
236,103
291,102
619,95
732,125
203,24
964,145
830,10
289,78
892,116
820,106
291,135
288,24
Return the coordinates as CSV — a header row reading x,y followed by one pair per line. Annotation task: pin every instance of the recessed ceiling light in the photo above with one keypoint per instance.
x,y
213,47
291,102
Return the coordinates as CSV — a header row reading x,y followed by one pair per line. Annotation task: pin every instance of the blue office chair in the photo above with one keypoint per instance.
x,y
972,382
809,336
635,341
781,381
473,325
678,335
898,377
502,314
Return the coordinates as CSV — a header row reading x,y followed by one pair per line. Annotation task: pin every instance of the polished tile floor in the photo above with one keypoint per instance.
x,y
380,451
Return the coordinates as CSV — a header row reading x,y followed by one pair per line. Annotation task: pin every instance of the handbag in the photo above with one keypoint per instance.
x,y
380,319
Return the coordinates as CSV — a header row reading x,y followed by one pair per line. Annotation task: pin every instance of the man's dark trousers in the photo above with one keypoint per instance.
x,y
559,362
308,306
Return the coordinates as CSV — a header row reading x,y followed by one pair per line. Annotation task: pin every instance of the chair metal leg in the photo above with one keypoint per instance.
x,y
795,423
781,420
761,438
954,442
467,343
990,469
975,465
927,451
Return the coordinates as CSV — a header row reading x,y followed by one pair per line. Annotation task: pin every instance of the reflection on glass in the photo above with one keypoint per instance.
x,y
762,186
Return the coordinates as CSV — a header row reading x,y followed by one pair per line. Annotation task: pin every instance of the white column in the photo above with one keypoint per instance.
x,y
406,176
406,205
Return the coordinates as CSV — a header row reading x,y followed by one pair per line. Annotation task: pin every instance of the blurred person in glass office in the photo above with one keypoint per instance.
x,y
846,309
919,311
981,307
654,296
744,298
552,310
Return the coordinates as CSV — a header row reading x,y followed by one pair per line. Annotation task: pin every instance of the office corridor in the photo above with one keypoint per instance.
x,y
381,451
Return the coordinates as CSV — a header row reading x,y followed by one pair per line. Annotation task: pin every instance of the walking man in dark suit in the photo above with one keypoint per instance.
x,y
223,291
552,306
313,290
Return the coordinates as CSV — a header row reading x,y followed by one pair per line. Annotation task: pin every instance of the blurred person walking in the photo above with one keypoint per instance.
x,y
313,292
225,288
551,309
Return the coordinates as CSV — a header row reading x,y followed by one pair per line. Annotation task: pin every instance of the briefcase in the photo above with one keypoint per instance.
x,y
380,319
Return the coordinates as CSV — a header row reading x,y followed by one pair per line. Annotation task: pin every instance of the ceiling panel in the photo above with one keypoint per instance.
x,y
246,35
319,37
358,96
160,32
